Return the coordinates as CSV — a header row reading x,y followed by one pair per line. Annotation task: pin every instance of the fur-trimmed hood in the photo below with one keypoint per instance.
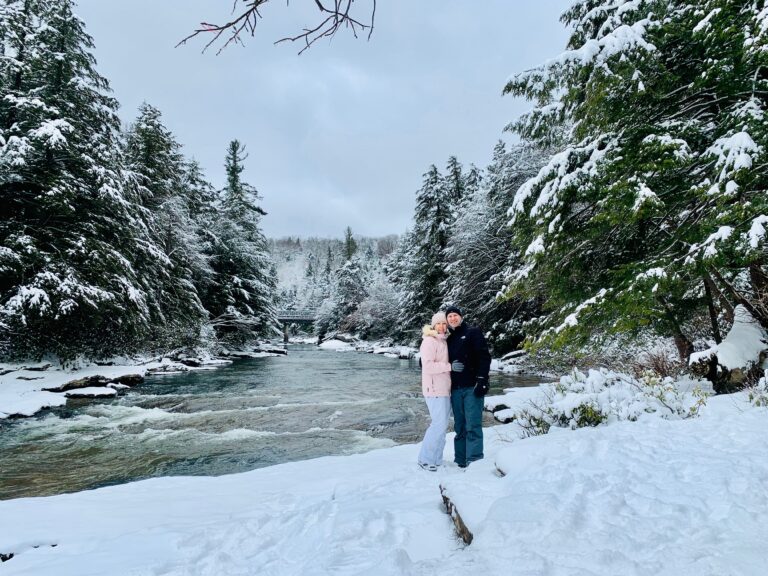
x,y
429,332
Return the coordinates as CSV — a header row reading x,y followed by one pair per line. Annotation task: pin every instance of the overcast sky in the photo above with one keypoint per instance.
x,y
341,135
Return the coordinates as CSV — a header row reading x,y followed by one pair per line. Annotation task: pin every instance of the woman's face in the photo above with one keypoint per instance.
x,y
441,327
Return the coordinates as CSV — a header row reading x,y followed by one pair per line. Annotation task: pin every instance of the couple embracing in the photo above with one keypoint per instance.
x,y
454,376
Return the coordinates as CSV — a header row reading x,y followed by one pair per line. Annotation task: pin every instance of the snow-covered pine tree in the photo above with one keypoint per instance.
x,y
201,201
420,262
479,247
472,182
660,187
328,263
310,271
455,183
200,194
243,297
376,316
315,286
350,292
340,311
69,237
169,189
350,246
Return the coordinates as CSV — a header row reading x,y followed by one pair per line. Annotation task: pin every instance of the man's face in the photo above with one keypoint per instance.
x,y
453,320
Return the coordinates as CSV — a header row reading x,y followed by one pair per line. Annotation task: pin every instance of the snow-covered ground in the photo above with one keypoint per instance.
x,y
656,496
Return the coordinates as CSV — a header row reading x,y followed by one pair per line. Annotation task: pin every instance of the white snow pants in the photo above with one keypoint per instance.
x,y
434,438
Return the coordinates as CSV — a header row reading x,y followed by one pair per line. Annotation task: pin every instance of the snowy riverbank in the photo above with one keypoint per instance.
x,y
510,363
662,497
26,389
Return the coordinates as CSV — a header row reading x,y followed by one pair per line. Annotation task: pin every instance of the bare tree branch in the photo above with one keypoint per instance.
x,y
334,16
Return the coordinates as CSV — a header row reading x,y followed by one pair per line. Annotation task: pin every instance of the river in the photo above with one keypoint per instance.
x,y
252,413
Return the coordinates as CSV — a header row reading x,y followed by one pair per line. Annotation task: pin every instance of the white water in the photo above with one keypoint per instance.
x,y
248,415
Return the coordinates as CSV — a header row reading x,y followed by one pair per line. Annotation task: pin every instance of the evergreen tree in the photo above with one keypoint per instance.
x,y
350,292
338,311
71,240
472,182
454,184
655,209
350,246
310,271
329,263
376,315
242,300
200,203
479,247
200,194
420,264
358,297
169,190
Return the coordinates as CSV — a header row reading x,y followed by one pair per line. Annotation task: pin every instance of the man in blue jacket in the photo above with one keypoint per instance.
x,y
470,363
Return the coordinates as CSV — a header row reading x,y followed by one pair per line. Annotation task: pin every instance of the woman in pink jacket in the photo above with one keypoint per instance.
x,y
436,387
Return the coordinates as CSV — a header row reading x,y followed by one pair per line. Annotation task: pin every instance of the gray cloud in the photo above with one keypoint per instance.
x,y
340,135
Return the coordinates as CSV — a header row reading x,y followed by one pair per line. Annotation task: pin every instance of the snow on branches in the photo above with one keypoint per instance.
x,y
657,109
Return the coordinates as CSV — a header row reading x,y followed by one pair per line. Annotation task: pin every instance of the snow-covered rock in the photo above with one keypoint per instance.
x,y
337,345
91,392
401,352
25,390
303,340
742,351
22,398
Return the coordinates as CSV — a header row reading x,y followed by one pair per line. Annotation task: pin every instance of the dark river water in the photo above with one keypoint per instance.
x,y
246,415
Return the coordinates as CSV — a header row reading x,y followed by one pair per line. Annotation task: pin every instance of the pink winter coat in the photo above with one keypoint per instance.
x,y
435,368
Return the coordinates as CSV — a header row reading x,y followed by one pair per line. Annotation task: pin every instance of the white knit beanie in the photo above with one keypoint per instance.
x,y
438,318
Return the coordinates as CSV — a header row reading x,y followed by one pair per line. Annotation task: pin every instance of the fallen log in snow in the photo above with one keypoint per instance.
x,y
461,527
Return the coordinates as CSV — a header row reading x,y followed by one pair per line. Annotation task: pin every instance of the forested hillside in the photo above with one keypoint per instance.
x,y
455,253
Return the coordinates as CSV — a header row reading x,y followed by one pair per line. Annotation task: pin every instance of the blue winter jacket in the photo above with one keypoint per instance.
x,y
467,345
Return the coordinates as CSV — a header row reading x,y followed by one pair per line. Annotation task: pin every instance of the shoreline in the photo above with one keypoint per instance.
x,y
27,389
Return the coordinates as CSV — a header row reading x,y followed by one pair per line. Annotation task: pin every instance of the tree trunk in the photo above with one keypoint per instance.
x,y
712,311
682,342
725,305
759,280
738,297
684,347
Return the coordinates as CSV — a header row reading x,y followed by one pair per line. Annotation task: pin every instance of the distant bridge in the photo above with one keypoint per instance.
x,y
296,315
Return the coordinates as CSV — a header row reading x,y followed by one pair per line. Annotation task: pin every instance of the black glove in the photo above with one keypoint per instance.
x,y
457,366
481,387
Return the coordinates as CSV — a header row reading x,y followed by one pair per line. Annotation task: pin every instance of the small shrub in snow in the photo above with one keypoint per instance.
x,y
660,361
601,396
532,421
758,394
